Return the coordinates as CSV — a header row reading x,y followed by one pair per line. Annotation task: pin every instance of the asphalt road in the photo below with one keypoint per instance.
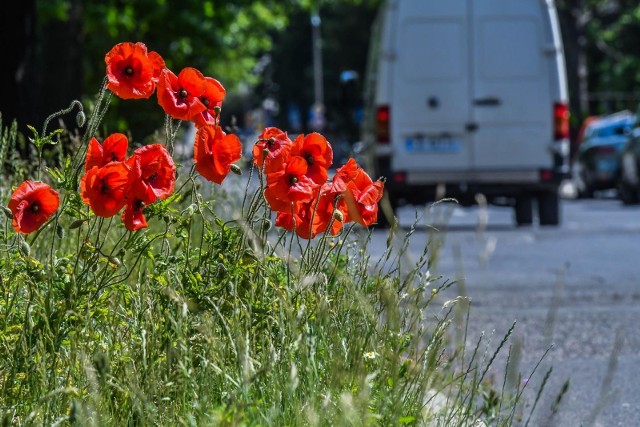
x,y
574,289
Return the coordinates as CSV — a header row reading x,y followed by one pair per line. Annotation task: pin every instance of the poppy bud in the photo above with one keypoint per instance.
x,y
60,231
80,118
7,212
338,215
236,169
75,224
217,110
24,248
266,225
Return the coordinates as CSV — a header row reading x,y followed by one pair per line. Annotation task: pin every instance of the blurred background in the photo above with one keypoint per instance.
x,y
295,64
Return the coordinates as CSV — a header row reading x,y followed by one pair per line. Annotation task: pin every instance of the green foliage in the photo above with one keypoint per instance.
x,y
220,38
223,39
210,316
605,32
200,320
12,165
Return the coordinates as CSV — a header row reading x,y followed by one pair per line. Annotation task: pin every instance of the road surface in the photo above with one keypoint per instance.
x,y
573,288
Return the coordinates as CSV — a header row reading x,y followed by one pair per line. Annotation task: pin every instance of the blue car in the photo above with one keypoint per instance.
x,y
597,163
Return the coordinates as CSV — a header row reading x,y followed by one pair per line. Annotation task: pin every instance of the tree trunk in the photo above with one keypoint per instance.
x,y
17,41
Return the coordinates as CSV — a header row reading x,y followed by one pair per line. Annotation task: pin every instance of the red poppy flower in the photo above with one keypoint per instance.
x,y
345,174
139,195
291,184
113,149
32,204
104,189
317,152
329,212
158,170
296,219
314,217
275,141
211,97
214,152
362,196
311,218
179,96
132,72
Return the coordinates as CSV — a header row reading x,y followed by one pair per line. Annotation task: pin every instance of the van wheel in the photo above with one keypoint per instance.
x,y
628,195
524,210
586,193
549,208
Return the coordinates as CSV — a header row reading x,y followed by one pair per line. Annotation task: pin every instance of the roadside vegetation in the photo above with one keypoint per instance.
x,y
136,290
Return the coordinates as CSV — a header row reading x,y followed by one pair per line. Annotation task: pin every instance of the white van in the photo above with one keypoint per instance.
x,y
468,97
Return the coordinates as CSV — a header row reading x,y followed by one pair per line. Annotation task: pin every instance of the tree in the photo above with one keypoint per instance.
x,y
65,42
346,30
602,54
55,50
17,35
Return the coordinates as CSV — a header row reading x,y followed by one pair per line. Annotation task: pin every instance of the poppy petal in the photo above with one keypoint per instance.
x,y
115,147
32,204
94,155
214,152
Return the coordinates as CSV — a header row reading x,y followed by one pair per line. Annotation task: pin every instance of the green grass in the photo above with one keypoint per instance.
x,y
211,316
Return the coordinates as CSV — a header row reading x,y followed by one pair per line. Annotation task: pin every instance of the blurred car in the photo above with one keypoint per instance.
x,y
597,163
581,134
628,185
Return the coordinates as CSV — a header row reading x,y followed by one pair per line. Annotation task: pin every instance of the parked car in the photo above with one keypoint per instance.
x,y
628,184
597,163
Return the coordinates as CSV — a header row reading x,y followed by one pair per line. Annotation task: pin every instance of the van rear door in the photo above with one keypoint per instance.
x,y
471,88
430,87
512,108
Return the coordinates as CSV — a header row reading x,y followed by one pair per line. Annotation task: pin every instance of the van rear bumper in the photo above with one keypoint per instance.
x,y
483,176
464,185
495,192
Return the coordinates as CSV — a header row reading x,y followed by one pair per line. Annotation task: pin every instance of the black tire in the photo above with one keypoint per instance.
x,y
627,194
523,210
549,208
587,193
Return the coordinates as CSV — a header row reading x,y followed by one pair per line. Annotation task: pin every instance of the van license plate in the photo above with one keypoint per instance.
x,y
426,144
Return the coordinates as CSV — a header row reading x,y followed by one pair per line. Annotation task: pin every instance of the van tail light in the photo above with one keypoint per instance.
x,y
400,177
560,120
546,175
382,124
